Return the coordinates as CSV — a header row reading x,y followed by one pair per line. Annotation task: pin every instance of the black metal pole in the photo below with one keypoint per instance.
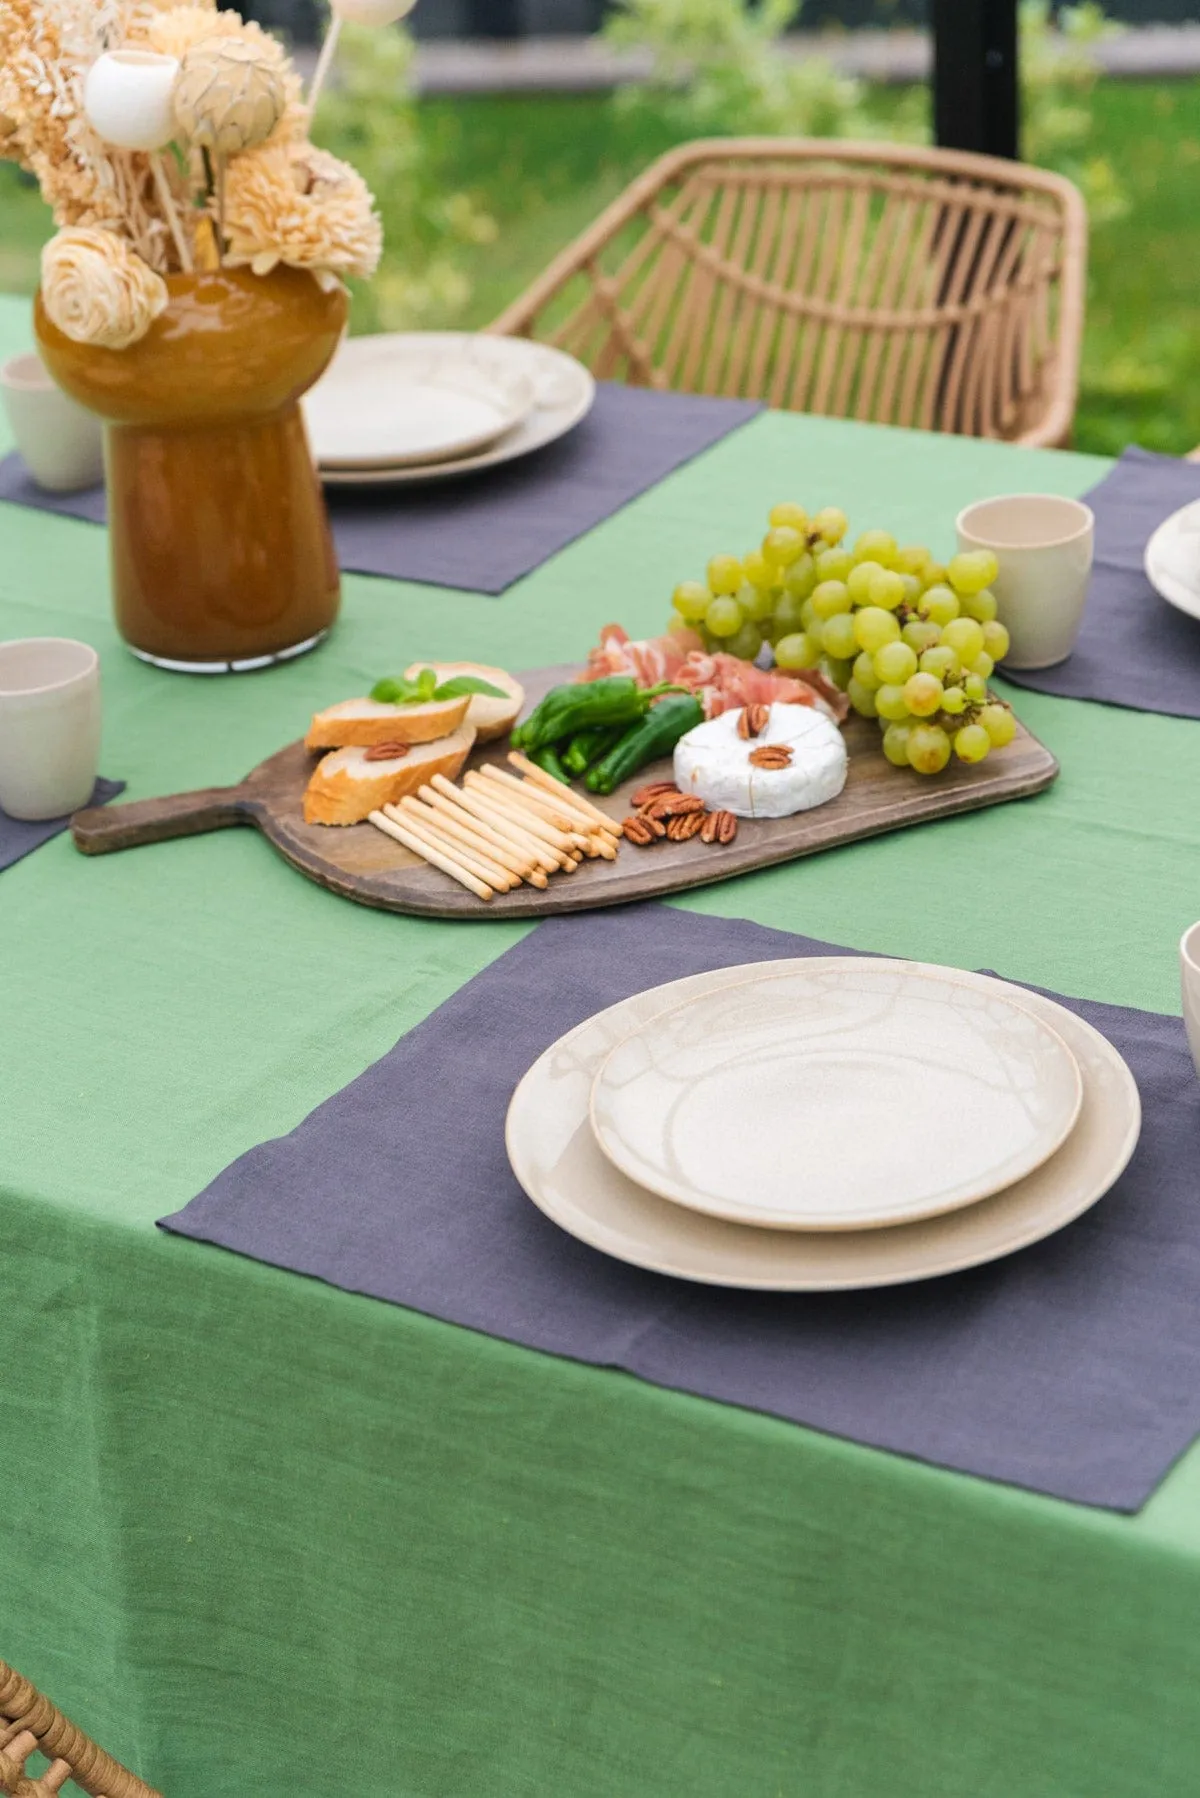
x,y
975,96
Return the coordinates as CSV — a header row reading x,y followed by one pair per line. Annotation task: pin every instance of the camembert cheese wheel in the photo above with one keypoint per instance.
x,y
716,762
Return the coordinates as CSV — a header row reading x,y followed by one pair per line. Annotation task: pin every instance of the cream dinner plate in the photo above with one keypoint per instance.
x,y
1172,559
562,395
559,1164
848,1096
395,401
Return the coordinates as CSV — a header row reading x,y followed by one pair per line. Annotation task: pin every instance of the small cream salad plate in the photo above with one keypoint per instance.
x,y
1172,559
388,402
846,1097
558,1162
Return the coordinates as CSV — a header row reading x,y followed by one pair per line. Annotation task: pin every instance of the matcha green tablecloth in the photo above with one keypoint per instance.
x,y
264,1537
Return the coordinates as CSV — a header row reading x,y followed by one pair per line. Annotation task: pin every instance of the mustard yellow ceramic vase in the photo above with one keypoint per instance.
x,y
219,540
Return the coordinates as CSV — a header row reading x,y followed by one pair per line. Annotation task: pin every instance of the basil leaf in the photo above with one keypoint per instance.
x,y
395,692
469,683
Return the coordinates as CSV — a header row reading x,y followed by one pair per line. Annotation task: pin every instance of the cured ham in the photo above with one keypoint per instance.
x,y
721,682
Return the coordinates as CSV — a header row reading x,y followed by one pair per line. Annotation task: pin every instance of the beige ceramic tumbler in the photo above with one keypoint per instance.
x,y
61,445
1044,547
49,726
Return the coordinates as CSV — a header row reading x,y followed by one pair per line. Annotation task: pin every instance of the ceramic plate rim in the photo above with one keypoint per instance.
x,y
935,1254
1164,583
970,1193
543,424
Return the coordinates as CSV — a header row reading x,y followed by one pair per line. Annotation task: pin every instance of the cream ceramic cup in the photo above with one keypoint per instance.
x,y
49,726
1189,970
61,444
1044,547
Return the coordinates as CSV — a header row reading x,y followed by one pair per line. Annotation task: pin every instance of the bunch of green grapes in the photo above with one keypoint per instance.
x,y
910,641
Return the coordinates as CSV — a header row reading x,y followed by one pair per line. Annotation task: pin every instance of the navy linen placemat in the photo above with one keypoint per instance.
x,y
1072,1368
19,838
1134,649
484,531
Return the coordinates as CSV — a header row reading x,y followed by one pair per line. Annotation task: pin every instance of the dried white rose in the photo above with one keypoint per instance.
x,y
97,290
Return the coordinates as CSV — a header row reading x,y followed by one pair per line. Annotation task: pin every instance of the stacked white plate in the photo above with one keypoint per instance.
x,y
821,1124
425,405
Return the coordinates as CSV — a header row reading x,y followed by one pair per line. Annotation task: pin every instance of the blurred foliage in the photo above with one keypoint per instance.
x,y
1058,78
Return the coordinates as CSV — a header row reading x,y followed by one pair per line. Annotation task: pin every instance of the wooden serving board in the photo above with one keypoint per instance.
x,y
363,864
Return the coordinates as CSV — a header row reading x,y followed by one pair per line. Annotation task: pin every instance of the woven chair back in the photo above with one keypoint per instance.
x,y
29,1723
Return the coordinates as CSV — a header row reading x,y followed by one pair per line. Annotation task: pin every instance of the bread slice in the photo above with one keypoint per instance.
x,y
346,787
362,723
491,718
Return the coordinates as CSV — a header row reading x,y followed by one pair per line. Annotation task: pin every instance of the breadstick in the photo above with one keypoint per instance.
x,y
441,824
600,845
581,818
502,848
529,819
540,778
546,858
530,795
483,798
481,859
490,873
434,856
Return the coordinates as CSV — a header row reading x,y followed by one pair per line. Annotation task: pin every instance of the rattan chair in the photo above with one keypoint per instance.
x,y
875,281
29,1723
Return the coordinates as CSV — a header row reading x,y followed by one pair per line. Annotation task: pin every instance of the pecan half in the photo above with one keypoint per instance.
x,y
753,720
771,755
638,831
674,805
719,828
385,752
685,826
658,789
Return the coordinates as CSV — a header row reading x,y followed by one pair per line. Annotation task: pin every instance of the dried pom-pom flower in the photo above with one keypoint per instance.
x,y
96,290
229,95
290,202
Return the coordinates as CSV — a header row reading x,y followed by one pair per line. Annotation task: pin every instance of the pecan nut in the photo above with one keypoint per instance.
x,y
385,752
658,789
753,720
771,755
719,828
638,831
686,825
674,805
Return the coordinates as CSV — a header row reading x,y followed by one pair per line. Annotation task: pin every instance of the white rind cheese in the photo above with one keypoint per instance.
x,y
714,761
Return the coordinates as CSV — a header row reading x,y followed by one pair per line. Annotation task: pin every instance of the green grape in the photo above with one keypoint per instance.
x,y
923,695
954,701
859,579
838,638
940,604
921,634
874,627
928,748
830,598
755,603
972,743
756,569
808,615
837,670
999,724
862,698
982,665
692,599
830,524
980,606
895,662
886,589
895,744
786,513
972,570
965,638
912,589
995,640
782,546
747,643
797,650
724,616
864,671
891,704
834,564
942,661
975,688
725,575
801,577
788,614
876,546
933,575
912,558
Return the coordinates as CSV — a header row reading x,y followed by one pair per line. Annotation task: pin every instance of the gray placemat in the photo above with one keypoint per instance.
x,y
19,838
484,531
1072,1368
1134,649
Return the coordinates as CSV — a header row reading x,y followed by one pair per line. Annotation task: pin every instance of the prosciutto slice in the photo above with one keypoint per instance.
x,y
721,682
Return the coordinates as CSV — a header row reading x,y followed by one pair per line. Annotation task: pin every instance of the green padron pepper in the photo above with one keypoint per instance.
x,y
582,705
587,746
547,759
653,736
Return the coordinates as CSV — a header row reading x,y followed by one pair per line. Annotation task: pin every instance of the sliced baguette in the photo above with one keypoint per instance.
x,y
491,718
346,788
363,723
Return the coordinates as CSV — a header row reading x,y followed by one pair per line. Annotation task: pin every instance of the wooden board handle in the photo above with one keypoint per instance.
x,y
104,827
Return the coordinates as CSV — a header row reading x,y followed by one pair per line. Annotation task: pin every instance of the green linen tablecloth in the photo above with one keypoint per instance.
x,y
265,1537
